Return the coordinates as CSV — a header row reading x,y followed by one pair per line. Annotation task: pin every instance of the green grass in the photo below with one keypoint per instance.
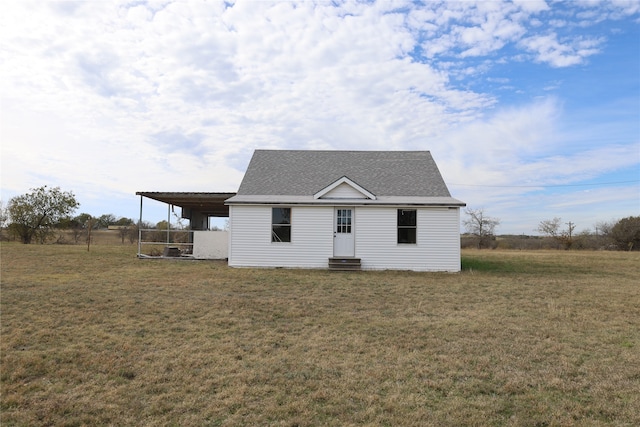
x,y
517,338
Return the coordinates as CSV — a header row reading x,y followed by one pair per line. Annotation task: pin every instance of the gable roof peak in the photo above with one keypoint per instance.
x,y
346,181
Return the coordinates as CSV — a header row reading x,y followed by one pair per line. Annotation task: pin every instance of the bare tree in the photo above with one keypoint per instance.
x,y
603,228
551,228
133,233
4,217
91,222
480,225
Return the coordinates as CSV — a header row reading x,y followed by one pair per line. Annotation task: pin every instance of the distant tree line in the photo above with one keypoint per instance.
x,y
623,234
45,215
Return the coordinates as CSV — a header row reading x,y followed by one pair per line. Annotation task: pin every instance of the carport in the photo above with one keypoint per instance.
x,y
197,208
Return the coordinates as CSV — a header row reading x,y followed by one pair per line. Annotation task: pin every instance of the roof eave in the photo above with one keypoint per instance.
x,y
306,201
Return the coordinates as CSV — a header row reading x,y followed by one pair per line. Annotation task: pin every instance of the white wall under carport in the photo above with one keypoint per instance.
x,y
210,244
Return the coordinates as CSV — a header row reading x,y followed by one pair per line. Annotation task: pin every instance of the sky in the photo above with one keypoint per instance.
x,y
530,108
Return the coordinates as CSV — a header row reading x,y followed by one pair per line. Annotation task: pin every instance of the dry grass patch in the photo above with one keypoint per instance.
x,y
518,338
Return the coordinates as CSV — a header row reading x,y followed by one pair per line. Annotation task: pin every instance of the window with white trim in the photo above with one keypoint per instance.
x,y
281,224
407,226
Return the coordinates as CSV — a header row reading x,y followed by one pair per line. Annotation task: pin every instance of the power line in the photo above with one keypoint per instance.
x,y
547,185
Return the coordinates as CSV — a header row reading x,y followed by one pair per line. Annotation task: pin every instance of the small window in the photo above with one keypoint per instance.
x,y
281,224
407,226
343,224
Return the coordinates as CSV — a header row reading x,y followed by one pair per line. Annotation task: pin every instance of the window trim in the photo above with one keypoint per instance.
x,y
413,227
280,225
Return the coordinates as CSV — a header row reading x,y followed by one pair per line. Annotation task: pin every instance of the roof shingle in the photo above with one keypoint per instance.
x,y
304,172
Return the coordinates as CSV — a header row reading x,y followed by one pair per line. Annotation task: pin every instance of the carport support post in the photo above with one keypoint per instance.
x,y
168,222
140,227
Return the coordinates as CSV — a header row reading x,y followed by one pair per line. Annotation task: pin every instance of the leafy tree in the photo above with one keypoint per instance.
x,y
626,233
125,221
104,221
35,214
480,225
82,219
125,229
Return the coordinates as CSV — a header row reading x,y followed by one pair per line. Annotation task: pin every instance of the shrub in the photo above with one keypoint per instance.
x,y
626,233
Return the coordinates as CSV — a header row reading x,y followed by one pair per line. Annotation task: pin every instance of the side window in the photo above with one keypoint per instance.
x,y
407,226
281,224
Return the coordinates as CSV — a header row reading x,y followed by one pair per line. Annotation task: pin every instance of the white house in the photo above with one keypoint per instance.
x,y
344,209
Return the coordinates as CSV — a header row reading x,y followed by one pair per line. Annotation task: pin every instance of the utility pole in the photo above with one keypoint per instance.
x,y
571,227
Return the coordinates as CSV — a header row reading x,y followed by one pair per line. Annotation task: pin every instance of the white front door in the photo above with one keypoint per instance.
x,y
343,233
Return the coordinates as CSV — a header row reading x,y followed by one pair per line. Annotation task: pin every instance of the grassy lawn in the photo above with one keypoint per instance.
x,y
518,338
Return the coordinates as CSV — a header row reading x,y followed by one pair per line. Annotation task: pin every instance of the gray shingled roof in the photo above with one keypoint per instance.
x,y
304,173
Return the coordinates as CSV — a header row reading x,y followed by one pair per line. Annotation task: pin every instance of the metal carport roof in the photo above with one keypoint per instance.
x,y
209,204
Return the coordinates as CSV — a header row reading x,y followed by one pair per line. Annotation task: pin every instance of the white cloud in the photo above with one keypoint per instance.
x,y
518,164
548,49
580,166
114,97
580,199
532,5
469,29
524,147
495,143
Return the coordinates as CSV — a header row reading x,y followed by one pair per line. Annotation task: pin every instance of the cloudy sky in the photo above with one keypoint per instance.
x,y
530,108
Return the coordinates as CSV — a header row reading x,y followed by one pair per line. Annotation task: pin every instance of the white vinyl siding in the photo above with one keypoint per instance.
x,y
437,245
250,237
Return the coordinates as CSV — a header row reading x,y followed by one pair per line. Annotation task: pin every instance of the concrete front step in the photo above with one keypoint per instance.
x,y
344,263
